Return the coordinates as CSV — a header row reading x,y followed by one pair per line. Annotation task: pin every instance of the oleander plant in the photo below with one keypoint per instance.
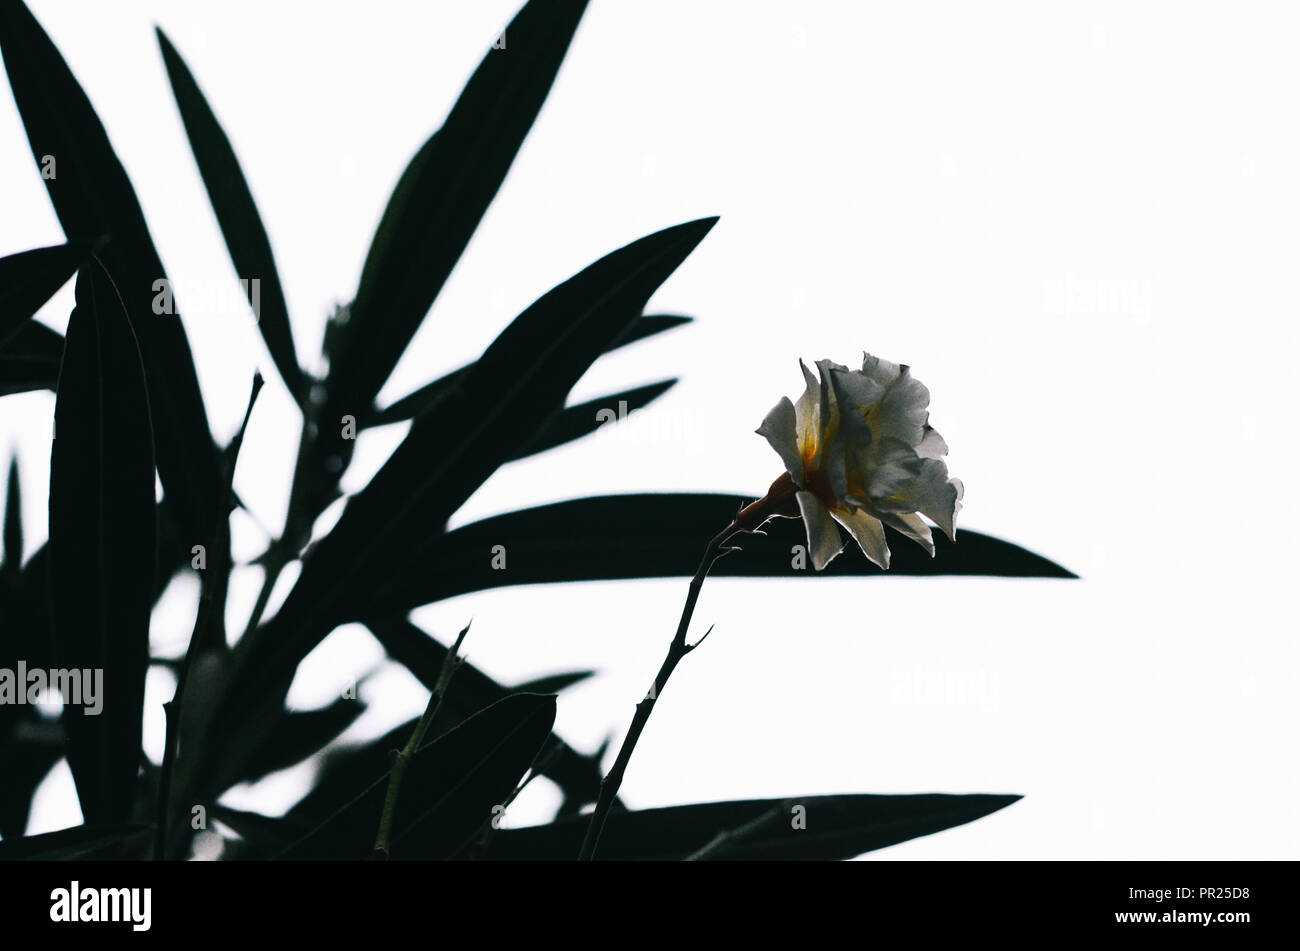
x,y
857,455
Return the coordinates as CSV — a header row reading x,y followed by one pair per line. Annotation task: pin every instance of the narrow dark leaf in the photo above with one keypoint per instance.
x,y
662,535
450,788
80,843
345,773
29,279
263,836
442,195
102,544
834,827
342,777
29,359
426,226
28,630
25,762
174,554
295,736
12,562
29,744
574,422
516,385
241,225
648,326
414,404
92,198
554,683
578,776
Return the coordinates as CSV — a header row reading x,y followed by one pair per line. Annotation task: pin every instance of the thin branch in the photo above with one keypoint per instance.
x,y
450,663
202,619
676,651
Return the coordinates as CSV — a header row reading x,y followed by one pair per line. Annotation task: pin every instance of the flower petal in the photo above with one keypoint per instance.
x,y
806,417
891,468
903,410
824,541
936,496
882,371
932,445
867,532
856,395
860,447
911,525
780,429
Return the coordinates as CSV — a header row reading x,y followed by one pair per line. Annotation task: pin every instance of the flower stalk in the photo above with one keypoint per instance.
x,y
779,502
676,651
859,452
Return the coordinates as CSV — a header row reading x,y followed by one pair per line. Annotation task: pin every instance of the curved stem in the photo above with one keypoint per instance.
x,y
676,651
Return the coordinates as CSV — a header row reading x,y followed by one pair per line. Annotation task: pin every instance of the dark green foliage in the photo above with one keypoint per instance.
x,y
102,542
461,775
30,352
79,842
414,404
653,536
811,827
241,225
29,359
93,199
578,776
29,279
127,402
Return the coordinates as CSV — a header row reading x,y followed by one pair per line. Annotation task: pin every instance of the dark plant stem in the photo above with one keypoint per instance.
x,y
284,549
449,664
276,560
676,651
202,620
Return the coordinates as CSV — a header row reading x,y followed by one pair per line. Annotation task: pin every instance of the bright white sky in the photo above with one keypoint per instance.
x,y
1078,224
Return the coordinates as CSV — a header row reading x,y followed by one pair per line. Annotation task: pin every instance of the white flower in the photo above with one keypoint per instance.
x,y
858,450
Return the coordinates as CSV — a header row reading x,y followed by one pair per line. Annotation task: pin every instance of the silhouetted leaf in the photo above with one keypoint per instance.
x,y
657,536
298,735
449,790
92,198
29,744
28,630
834,827
29,279
554,683
29,359
574,422
263,836
440,198
517,384
578,776
413,404
80,842
430,217
241,225
344,774
648,326
25,760
12,562
102,541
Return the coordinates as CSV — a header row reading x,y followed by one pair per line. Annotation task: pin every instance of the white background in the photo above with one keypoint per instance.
x,y
1077,222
